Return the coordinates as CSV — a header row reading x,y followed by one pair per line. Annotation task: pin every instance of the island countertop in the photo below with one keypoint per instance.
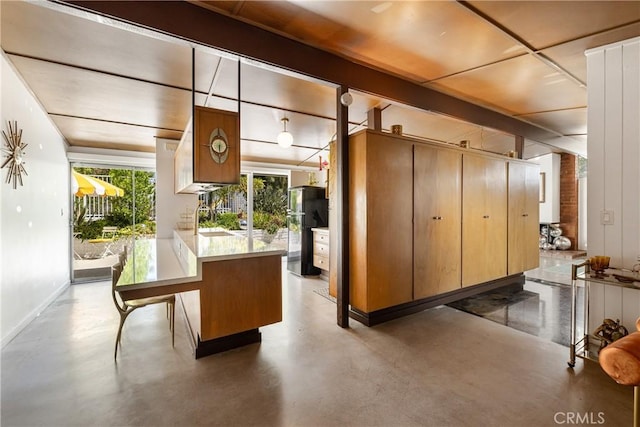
x,y
227,285
162,262
215,244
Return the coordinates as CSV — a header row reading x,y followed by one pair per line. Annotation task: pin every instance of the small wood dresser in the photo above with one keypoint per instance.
x,y
321,248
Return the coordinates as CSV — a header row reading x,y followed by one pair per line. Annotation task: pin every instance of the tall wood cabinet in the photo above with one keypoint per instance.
x,y
484,219
437,211
524,212
427,220
380,220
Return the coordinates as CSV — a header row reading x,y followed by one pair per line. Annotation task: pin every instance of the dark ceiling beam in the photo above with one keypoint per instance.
x,y
203,26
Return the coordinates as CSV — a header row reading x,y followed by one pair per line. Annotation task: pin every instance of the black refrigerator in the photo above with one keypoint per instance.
x,y
308,208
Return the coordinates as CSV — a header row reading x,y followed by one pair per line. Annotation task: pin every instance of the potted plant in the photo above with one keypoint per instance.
x,y
270,229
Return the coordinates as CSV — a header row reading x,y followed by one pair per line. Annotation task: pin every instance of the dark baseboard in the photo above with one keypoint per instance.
x,y
218,345
515,283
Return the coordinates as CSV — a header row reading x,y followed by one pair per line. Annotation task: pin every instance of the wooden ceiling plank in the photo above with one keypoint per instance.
x,y
194,23
521,41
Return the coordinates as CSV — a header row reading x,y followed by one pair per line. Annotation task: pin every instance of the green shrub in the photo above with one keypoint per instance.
x,y
272,227
89,229
271,200
228,221
260,220
206,224
268,222
147,228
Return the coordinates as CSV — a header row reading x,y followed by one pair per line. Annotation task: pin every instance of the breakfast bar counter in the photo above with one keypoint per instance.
x,y
228,285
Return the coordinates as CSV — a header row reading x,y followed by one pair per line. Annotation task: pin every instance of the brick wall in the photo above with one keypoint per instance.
x,y
569,198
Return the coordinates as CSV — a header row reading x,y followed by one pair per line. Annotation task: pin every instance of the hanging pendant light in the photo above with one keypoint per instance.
x,y
285,139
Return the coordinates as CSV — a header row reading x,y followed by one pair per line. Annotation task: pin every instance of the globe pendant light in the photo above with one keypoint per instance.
x,y
285,139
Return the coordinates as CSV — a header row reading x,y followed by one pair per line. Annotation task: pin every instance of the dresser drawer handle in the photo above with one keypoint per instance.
x,y
486,217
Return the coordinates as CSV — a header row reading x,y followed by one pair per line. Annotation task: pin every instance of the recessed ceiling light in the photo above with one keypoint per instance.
x,y
381,7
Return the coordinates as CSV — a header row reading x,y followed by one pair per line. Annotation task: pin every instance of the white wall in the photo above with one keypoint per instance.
x,y
613,149
299,177
550,166
34,219
583,229
169,205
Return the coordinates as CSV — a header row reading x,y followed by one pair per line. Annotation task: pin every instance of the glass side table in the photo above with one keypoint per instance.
x,y
582,272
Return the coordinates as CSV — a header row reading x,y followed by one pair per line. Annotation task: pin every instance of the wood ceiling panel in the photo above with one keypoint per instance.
x,y
547,23
263,86
532,149
227,6
567,122
427,125
264,124
265,152
226,80
92,133
82,42
522,85
443,129
80,93
418,40
571,57
574,144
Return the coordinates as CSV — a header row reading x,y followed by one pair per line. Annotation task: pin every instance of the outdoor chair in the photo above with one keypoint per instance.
x,y
126,307
109,234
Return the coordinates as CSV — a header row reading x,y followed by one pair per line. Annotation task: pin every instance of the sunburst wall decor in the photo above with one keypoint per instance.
x,y
14,151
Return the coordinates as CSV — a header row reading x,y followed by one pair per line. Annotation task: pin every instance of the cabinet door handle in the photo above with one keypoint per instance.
x,y
525,214
437,217
486,217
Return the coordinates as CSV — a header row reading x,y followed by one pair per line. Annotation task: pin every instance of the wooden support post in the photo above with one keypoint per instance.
x,y
342,209
374,119
519,146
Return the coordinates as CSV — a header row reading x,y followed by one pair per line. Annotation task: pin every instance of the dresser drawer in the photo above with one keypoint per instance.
x,y
321,262
321,237
320,249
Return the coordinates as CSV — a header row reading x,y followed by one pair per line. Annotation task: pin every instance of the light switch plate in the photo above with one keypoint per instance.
x,y
606,217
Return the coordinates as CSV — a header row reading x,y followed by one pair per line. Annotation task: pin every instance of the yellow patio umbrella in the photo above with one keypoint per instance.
x,y
83,185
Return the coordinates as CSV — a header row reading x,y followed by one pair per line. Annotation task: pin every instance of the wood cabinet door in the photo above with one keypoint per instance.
x,y
380,221
523,229
211,166
484,219
437,201
389,221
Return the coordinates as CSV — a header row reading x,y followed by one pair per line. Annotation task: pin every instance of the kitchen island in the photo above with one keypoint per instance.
x,y
228,285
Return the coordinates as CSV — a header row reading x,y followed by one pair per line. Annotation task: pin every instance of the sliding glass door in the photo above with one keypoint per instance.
x,y
255,208
111,207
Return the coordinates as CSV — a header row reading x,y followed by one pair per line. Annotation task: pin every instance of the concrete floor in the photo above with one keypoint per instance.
x,y
440,367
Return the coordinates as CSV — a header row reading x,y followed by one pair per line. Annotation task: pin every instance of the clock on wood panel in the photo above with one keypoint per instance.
x,y
216,148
